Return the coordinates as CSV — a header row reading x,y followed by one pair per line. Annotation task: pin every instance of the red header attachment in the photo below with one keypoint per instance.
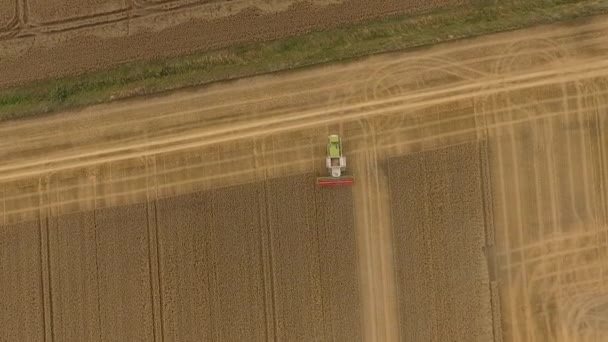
x,y
330,181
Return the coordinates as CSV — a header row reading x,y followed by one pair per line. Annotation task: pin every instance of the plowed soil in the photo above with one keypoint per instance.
x,y
7,13
536,98
62,10
142,30
437,201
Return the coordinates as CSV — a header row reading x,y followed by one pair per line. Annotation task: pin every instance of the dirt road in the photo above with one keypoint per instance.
x,y
538,97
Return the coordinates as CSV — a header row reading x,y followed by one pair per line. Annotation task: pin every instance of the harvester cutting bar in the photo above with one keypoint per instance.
x,y
331,181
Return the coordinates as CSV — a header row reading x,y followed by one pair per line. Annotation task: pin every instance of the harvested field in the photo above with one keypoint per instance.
x,y
537,98
551,223
437,201
148,30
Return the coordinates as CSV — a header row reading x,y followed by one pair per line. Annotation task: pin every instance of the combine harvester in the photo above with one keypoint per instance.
x,y
336,164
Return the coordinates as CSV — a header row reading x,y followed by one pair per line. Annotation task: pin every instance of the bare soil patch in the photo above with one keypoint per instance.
x,y
438,219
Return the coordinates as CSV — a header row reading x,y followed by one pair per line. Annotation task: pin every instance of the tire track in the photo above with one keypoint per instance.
x,y
505,66
155,275
265,243
540,265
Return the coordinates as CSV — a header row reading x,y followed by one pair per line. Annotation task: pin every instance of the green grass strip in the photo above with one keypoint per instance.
x,y
395,33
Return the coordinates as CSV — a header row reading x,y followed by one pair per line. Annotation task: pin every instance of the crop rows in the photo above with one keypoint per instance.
x,y
74,275
248,262
438,220
21,302
92,257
